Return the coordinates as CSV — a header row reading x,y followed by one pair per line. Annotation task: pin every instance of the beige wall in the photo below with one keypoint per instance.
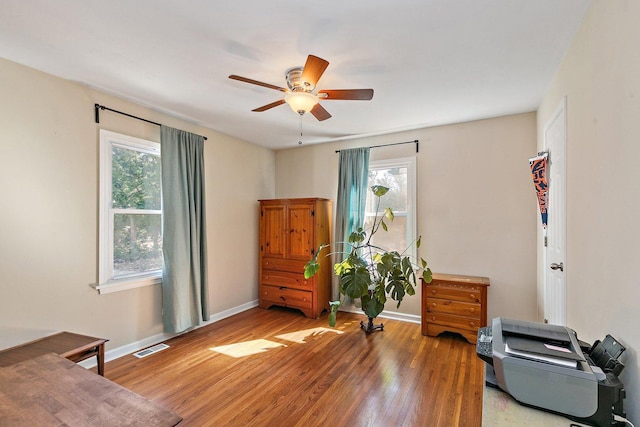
x,y
48,220
476,202
601,78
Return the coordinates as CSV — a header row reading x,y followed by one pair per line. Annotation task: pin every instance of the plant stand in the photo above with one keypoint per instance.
x,y
370,327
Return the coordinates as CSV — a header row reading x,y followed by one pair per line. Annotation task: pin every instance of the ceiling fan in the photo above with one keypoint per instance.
x,y
300,95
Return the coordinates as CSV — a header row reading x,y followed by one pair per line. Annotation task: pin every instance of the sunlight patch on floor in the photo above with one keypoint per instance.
x,y
299,336
247,348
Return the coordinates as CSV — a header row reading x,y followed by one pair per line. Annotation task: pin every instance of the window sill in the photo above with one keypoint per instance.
x,y
126,284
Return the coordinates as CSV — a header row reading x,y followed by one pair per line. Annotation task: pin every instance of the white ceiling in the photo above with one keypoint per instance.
x,y
430,62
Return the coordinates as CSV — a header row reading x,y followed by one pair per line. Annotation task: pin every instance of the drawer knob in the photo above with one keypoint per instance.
x,y
472,324
433,318
472,296
433,291
283,298
472,310
433,304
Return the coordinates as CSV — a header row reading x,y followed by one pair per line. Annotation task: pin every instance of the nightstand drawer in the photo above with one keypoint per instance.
x,y
452,321
469,294
436,305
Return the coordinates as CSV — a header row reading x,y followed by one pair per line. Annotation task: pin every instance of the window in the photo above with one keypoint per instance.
x,y
400,177
130,213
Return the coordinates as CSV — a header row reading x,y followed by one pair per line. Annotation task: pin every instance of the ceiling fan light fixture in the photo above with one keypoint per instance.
x,y
301,102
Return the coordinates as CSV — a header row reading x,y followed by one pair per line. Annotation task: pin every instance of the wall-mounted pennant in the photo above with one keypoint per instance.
x,y
539,174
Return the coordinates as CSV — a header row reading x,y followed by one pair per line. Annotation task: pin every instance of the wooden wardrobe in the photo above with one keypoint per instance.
x,y
291,230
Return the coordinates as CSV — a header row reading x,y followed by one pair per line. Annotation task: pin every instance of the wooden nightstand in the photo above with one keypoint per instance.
x,y
454,303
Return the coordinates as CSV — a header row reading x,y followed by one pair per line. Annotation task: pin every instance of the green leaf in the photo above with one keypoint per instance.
x,y
355,260
371,307
379,190
389,213
410,290
357,236
384,226
423,263
390,259
418,242
427,275
382,269
378,291
311,269
407,270
355,282
396,287
340,267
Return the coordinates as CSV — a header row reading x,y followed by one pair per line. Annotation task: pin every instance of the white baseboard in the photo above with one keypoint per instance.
x,y
155,339
232,311
403,317
409,318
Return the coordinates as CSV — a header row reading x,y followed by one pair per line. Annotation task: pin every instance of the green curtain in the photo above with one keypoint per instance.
x,y
184,242
353,175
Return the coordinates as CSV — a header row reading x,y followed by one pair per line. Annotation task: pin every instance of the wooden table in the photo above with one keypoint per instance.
x,y
53,391
74,347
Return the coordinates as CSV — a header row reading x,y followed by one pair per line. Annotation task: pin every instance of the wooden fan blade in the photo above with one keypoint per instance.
x,y
268,106
320,113
255,82
347,94
313,69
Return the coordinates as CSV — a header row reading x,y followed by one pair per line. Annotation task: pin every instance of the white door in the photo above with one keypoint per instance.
x,y
555,268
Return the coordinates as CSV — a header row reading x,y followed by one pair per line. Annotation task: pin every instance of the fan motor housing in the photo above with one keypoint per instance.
x,y
295,82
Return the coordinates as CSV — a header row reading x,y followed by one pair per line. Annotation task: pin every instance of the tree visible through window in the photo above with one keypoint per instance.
x,y
136,203
131,209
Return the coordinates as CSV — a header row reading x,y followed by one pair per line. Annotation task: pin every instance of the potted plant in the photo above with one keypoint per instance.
x,y
372,274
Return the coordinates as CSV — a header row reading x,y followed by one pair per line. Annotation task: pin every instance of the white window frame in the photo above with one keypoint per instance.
x,y
106,282
410,164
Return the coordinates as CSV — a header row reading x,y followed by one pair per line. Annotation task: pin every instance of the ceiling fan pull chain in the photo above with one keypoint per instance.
x,y
300,140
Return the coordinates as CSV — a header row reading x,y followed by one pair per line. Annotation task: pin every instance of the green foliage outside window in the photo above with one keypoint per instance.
x,y
136,201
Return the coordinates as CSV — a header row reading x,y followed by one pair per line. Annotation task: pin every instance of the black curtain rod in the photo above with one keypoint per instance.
x,y
99,107
415,141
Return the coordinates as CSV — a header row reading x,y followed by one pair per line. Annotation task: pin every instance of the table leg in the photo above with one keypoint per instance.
x,y
100,357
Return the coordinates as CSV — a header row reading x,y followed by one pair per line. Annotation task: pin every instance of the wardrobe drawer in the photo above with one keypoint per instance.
x,y
291,265
286,296
287,279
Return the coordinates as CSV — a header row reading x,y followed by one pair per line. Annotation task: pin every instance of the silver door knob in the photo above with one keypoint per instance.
x,y
555,266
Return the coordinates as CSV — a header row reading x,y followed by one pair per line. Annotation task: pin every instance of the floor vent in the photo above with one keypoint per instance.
x,y
149,351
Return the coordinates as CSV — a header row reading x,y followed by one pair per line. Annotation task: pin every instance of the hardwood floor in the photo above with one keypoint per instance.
x,y
393,378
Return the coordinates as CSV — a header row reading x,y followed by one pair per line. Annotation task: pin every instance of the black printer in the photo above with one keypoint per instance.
x,y
547,367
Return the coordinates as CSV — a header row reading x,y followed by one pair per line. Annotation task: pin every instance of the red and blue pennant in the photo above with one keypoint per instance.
x,y
539,174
